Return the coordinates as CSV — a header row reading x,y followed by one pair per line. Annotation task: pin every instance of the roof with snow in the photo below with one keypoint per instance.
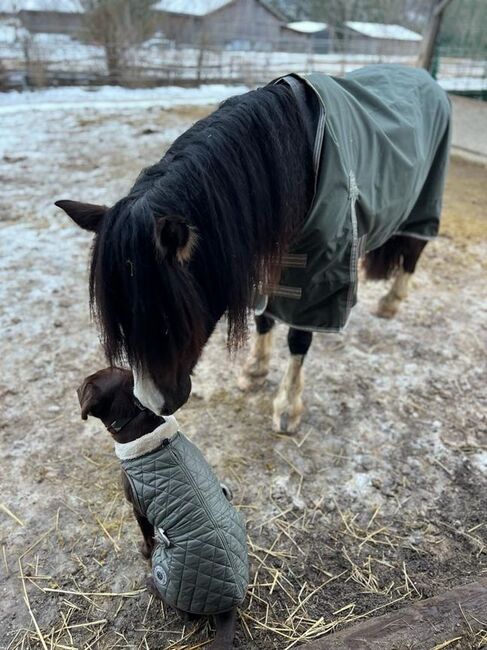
x,y
204,7
190,7
380,30
307,26
65,6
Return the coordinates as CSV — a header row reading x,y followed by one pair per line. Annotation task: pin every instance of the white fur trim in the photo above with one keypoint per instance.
x,y
149,442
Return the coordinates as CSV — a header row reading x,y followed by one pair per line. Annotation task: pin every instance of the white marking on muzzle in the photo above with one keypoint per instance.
x,y
147,392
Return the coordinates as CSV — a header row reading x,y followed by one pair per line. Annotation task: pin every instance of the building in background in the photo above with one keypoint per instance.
x,y
45,16
378,38
227,24
305,35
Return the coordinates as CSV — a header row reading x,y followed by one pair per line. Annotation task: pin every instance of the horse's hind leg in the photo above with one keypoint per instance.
x,y
397,258
288,404
256,366
389,303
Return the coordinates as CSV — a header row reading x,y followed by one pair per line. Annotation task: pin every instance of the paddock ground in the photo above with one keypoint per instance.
x,y
378,501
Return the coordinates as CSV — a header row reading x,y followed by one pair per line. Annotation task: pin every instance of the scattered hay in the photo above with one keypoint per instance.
x,y
278,606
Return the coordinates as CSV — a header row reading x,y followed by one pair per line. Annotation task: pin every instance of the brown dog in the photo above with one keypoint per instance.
x,y
108,395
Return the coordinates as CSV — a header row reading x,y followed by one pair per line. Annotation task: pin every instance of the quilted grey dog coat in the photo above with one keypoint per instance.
x,y
381,152
200,562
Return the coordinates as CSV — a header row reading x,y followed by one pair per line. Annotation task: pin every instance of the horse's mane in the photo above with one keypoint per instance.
x,y
241,178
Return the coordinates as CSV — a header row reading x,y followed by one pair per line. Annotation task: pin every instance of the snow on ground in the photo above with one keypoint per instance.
x,y
106,97
463,84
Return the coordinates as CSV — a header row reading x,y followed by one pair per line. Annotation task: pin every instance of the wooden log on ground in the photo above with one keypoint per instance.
x,y
421,626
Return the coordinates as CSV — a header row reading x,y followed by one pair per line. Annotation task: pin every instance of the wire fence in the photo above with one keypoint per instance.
x,y
462,70
35,60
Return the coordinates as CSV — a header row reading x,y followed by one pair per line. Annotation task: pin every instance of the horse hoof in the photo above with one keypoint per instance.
x,y
387,309
283,422
286,424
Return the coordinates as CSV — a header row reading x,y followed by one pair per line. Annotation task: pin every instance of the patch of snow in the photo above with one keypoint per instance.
x,y
307,26
105,97
381,30
8,32
358,484
190,7
480,460
472,84
62,48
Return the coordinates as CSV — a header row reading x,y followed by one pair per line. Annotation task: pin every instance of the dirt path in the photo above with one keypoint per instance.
x,y
380,499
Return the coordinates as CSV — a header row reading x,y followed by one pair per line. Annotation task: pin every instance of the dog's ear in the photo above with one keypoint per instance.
x,y
97,392
89,396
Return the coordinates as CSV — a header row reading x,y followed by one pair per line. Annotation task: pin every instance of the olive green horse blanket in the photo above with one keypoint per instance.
x,y
200,561
381,152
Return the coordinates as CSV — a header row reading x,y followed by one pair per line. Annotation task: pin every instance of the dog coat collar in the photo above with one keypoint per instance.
x,y
149,442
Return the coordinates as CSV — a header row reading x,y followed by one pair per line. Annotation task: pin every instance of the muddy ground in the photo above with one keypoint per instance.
x,y
379,500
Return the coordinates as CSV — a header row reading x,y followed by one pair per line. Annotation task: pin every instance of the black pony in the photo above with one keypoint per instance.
x,y
198,233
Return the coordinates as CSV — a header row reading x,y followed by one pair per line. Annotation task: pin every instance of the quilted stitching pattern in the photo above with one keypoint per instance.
x,y
205,568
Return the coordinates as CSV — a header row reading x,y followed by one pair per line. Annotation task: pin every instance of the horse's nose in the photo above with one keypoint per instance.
x,y
176,399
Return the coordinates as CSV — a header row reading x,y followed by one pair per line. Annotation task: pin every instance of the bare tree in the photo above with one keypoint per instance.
x,y
35,65
117,26
431,34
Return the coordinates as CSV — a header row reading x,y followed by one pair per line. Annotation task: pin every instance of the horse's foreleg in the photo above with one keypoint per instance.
x,y
390,303
288,404
256,367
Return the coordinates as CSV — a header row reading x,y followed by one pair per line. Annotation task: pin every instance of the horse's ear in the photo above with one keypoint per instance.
x,y
87,215
175,239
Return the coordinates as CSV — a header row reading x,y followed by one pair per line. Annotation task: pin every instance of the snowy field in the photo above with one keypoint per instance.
x,y
113,98
380,499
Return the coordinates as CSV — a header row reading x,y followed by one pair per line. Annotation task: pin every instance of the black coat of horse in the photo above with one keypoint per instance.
x,y
194,237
